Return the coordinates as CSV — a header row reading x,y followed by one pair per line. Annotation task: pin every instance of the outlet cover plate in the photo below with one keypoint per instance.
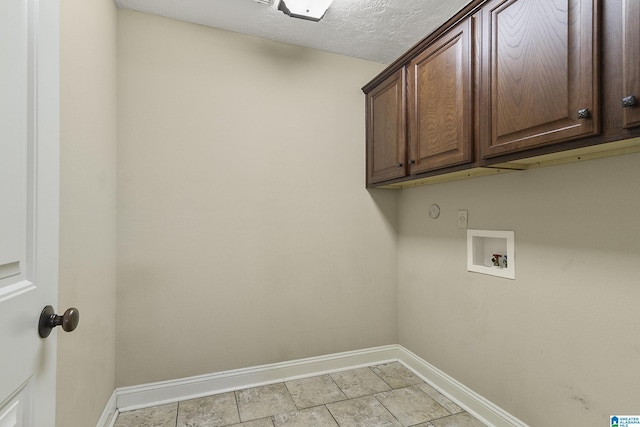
x,y
462,219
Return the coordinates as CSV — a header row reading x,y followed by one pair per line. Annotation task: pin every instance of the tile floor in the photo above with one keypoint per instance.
x,y
382,395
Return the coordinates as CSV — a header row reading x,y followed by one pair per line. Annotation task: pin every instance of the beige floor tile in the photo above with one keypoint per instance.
x,y
396,375
210,411
411,406
314,391
265,401
157,416
458,420
359,382
312,417
440,398
349,399
364,411
262,422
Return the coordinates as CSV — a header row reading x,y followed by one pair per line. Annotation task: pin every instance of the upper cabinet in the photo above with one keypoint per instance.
x,y
386,130
539,73
631,63
440,102
508,85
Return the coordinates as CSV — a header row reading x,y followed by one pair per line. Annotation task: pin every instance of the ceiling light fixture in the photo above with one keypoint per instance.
x,y
312,10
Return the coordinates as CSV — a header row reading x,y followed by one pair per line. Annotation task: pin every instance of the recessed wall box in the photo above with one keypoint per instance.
x,y
491,252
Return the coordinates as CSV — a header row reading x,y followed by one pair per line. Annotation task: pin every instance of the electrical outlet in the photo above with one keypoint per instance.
x,y
462,219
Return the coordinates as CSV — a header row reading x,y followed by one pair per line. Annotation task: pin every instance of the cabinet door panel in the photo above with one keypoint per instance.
x,y
441,103
386,131
540,68
631,61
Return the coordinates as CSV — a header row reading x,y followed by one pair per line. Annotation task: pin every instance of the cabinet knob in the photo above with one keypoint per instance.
x,y
400,165
413,162
584,113
629,101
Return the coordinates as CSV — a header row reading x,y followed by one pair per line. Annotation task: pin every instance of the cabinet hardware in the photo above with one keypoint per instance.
x,y
629,101
584,113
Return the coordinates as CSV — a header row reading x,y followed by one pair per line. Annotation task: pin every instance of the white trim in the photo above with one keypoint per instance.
x,y
147,395
109,415
466,398
136,397
482,244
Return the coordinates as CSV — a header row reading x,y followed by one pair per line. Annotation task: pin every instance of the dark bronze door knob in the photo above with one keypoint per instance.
x,y
49,320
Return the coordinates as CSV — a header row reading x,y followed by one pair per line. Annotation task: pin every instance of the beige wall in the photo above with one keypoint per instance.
x,y
86,357
559,345
245,233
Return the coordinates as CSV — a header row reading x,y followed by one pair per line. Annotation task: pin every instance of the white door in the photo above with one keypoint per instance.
x,y
29,144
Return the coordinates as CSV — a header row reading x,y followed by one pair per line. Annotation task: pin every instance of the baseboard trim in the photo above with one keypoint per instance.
x,y
470,401
109,415
146,395
136,397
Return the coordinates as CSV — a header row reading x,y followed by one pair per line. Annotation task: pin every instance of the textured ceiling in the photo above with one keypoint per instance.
x,y
377,30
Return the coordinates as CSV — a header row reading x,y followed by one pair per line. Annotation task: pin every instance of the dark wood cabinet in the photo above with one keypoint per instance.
x,y
631,63
440,102
540,74
508,85
386,130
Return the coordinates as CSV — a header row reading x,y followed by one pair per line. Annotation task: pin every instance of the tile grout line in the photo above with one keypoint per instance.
x,y
177,412
332,416
403,383
235,398
385,407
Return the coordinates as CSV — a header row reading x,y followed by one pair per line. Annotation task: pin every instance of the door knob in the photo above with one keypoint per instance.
x,y
49,320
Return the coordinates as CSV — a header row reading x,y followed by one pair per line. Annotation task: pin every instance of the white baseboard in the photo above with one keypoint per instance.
x,y
110,413
146,395
466,398
129,398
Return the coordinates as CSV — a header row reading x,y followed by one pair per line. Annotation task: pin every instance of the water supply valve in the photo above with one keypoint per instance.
x,y
496,260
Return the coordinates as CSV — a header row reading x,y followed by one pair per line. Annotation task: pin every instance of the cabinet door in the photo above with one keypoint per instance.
x,y
386,130
540,81
440,102
631,63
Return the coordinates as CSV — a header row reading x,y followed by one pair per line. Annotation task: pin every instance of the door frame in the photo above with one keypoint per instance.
x,y
47,192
